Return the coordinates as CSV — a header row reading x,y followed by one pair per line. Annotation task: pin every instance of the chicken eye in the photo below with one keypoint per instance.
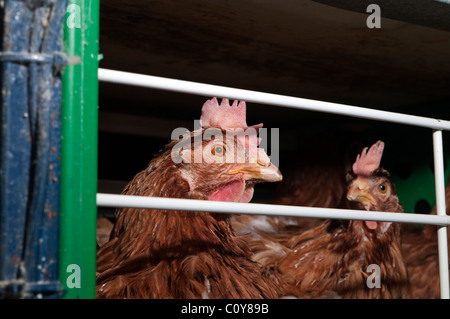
x,y
218,150
383,188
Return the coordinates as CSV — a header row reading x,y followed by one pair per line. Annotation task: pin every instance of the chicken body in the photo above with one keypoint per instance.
x,y
182,254
337,258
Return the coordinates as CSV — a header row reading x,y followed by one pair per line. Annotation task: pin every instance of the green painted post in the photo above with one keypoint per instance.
x,y
79,151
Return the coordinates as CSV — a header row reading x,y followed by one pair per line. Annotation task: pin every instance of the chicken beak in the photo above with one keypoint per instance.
x,y
256,171
357,193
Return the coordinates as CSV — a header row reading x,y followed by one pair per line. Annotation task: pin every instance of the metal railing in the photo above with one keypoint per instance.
x,y
436,125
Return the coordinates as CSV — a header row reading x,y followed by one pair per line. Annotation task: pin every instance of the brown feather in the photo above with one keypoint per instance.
x,y
331,259
314,177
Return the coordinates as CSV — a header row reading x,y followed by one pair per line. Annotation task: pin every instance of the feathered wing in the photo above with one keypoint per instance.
x,y
209,273
329,262
198,268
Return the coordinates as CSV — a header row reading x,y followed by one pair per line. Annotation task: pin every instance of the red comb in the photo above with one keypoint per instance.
x,y
369,160
225,116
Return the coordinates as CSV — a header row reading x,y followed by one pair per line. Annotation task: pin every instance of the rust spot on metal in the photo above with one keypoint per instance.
x,y
15,259
50,213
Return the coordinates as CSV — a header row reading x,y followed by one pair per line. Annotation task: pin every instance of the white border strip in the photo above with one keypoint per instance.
x,y
112,200
209,90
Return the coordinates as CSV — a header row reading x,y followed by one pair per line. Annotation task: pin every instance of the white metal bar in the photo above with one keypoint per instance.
x,y
167,84
441,211
113,200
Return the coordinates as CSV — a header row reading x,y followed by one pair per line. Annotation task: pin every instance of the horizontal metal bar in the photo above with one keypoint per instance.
x,y
167,84
113,200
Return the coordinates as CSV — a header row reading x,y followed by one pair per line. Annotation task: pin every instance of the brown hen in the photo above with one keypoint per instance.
x,y
333,258
181,254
